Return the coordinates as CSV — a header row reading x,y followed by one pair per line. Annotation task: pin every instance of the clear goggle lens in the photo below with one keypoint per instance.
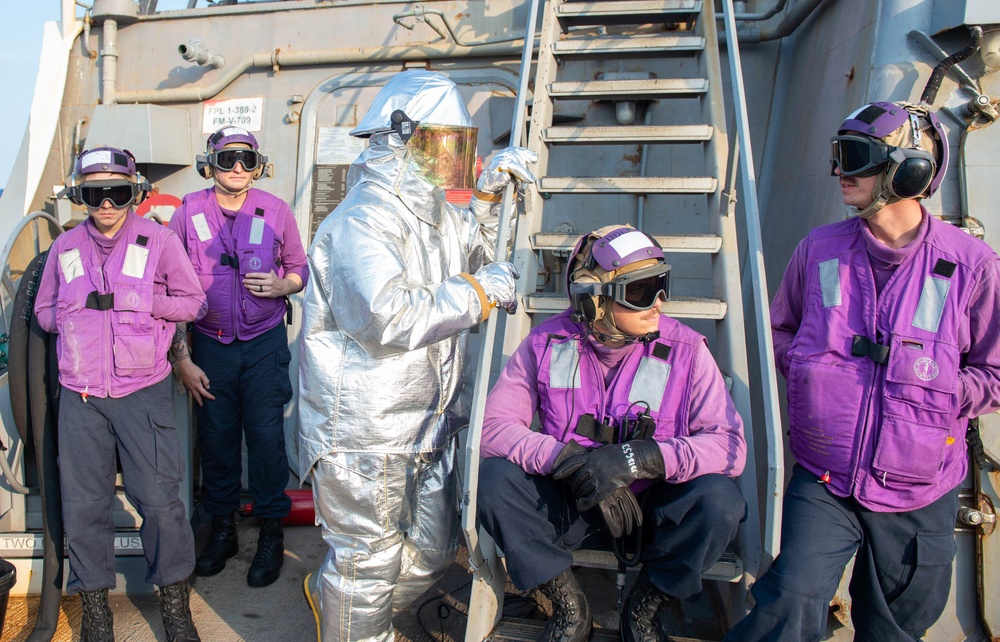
x,y
120,193
226,159
858,155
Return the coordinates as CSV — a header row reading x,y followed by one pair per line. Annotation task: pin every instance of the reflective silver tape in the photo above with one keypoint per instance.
x,y
931,304
256,230
829,280
650,382
564,365
135,261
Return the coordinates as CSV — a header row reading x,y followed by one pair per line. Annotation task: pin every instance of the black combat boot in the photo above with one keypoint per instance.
x,y
266,566
98,624
176,613
638,617
570,621
221,546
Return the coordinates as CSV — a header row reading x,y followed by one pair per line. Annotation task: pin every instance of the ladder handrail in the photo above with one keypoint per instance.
x,y
755,258
489,334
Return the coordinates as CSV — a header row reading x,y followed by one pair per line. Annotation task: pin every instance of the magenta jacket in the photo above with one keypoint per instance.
x,y
115,322
556,373
264,237
881,386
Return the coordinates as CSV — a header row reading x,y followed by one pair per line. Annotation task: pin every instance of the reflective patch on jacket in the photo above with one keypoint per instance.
x,y
931,305
564,365
829,280
650,382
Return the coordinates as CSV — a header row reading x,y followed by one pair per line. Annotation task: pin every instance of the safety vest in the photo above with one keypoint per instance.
x,y
109,344
653,380
873,385
222,258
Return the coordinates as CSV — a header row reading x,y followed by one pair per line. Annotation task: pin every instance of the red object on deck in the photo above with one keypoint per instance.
x,y
303,512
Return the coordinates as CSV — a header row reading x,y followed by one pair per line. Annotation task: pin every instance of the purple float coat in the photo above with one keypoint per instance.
x,y
557,373
264,237
892,434
115,352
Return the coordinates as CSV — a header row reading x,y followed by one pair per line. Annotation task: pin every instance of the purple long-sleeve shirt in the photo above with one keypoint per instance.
x,y
713,442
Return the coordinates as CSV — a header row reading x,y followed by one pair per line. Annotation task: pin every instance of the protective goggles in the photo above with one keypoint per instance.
x,y
859,155
121,193
226,159
637,290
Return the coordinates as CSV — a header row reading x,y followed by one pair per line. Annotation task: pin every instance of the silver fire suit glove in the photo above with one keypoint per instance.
x,y
507,164
497,279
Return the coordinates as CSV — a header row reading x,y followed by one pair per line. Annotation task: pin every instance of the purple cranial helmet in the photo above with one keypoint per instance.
x,y
106,160
616,264
903,143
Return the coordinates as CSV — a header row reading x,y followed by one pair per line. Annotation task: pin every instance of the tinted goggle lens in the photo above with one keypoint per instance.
x,y
226,159
858,156
121,194
642,293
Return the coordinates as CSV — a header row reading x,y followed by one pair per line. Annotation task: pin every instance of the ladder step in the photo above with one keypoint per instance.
x,y
689,243
729,567
627,185
617,45
628,89
629,134
678,307
627,12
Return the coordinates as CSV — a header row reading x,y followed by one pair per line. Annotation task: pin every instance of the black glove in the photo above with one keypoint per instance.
x,y
595,474
570,449
620,511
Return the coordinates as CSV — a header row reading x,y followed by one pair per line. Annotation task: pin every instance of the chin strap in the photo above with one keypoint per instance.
x,y
881,196
229,192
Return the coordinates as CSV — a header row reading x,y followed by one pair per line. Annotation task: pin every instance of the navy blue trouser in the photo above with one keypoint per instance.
x,y
251,386
534,521
902,574
141,427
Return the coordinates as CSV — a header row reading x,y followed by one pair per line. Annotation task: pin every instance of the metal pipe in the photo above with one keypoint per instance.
x,y
795,17
420,13
86,36
640,210
109,62
277,59
195,51
755,17
934,82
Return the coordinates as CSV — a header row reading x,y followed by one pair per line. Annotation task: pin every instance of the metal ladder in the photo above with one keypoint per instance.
x,y
629,125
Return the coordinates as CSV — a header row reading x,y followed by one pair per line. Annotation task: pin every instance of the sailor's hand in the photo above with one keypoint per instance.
x,y
194,379
621,511
506,165
265,285
497,280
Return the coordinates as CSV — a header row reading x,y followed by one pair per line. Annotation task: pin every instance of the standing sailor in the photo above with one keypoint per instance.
x,y
113,290
245,246
399,276
885,326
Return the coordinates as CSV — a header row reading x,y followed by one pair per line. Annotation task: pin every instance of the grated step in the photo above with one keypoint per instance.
x,y
678,307
628,89
629,134
627,185
728,568
618,45
688,243
511,629
627,12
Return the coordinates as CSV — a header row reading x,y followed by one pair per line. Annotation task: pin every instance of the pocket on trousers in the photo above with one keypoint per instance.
x,y
353,495
169,469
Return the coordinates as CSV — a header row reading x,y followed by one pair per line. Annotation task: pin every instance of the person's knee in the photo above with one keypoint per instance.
x,y
496,477
722,500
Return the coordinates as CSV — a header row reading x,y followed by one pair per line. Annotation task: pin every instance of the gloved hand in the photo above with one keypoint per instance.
x,y
506,164
619,509
597,473
497,279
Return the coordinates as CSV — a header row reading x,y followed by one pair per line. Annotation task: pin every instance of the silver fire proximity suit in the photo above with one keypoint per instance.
x,y
386,315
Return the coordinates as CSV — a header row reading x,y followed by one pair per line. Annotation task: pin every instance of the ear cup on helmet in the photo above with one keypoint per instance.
x,y
910,172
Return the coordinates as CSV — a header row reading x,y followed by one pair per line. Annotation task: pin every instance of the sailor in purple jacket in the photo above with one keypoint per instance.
x,y
630,403
246,249
112,288
885,329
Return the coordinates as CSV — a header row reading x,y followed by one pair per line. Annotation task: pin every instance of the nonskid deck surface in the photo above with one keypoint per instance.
x,y
225,609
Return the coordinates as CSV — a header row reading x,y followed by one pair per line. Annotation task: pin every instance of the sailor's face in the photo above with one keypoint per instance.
x,y
237,178
108,218
856,190
638,323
